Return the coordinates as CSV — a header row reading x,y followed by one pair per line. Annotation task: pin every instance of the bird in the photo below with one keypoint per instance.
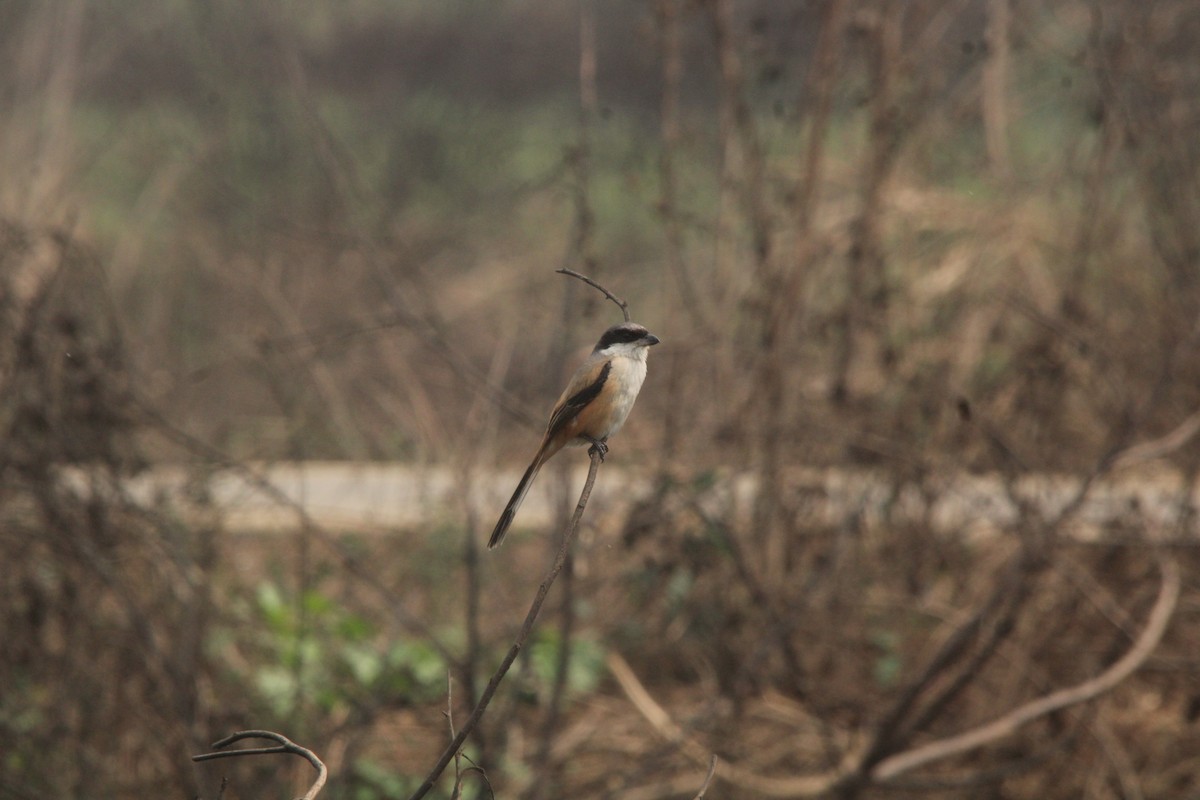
x,y
592,408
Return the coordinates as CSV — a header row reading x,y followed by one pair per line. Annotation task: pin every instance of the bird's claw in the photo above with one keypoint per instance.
x,y
599,447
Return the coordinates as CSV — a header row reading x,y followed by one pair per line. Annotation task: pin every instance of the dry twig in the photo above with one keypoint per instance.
x,y
1156,625
621,304
890,768
668,729
456,743
285,745
712,769
1161,447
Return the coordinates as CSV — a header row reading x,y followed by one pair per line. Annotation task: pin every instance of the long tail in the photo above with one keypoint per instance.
x,y
510,510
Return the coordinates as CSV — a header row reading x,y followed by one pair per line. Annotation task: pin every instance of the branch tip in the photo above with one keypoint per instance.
x,y
621,304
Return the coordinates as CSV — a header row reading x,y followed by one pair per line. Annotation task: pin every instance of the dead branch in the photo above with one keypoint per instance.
x,y
1156,625
890,768
621,304
285,745
457,792
994,89
660,720
822,80
581,252
1163,446
741,143
712,768
1000,609
564,549
558,687
671,46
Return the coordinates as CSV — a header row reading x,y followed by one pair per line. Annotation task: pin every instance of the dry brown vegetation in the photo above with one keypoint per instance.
x,y
913,240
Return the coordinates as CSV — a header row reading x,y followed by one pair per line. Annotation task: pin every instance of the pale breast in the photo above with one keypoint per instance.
x,y
626,380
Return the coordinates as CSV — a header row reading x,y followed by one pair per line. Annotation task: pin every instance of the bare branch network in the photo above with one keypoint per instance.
x,y
854,765
917,393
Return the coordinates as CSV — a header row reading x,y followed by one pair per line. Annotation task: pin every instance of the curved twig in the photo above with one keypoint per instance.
x,y
1156,625
456,743
712,769
1179,436
286,745
621,304
1000,609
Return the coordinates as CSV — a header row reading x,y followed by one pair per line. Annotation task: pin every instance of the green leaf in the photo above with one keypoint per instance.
x,y
364,663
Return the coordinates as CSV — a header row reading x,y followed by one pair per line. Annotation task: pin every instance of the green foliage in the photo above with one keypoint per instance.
x,y
889,664
374,781
371,779
585,666
318,651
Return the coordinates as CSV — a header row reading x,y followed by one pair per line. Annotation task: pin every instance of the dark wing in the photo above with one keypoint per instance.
x,y
570,408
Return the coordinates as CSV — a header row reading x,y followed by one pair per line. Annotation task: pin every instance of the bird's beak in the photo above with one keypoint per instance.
x,y
651,340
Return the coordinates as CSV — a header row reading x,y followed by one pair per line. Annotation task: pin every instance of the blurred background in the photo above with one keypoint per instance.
x,y
894,251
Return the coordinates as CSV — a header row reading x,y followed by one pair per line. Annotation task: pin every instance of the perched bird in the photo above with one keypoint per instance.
x,y
593,406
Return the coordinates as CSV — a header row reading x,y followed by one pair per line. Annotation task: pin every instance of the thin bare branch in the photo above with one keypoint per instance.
x,y
668,729
994,89
1000,608
564,549
822,80
457,792
1156,625
285,745
621,304
1164,445
812,785
671,45
712,769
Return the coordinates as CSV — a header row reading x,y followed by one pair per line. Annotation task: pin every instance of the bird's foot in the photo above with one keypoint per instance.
x,y
599,447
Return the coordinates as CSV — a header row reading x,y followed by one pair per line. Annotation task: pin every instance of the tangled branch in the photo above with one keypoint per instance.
x,y
1156,626
890,768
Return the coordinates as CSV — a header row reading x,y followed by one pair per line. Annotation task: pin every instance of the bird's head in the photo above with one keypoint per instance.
x,y
627,338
